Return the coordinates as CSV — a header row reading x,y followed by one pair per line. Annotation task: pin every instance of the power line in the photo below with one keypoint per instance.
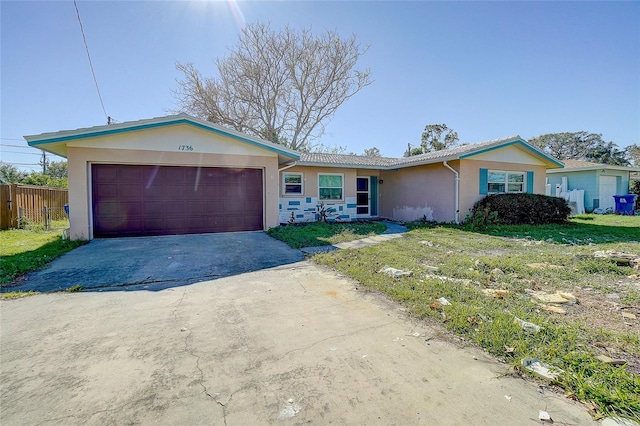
x,y
23,153
90,63
15,146
21,164
12,139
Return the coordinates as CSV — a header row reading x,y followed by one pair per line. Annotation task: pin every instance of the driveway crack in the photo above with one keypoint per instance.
x,y
337,336
175,311
188,350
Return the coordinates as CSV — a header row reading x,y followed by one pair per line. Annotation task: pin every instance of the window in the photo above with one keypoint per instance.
x,y
330,186
499,181
293,183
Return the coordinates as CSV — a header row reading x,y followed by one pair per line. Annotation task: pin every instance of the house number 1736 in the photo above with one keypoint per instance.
x,y
185,147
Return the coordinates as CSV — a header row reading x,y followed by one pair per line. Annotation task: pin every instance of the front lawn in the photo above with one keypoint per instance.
x,y
494,278
324,234
23,251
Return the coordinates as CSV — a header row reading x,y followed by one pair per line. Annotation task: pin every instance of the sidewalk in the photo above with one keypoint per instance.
x,y
393,231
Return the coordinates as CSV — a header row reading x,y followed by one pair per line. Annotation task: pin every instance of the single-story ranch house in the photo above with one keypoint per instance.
x,y
600,182
182,175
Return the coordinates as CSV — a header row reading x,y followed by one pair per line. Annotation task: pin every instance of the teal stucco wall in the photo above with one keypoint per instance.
x,y
589,180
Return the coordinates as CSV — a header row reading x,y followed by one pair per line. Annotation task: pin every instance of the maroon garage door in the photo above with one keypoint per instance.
x,y
166,200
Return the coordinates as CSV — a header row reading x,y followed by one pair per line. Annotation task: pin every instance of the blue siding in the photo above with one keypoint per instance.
x,y
589,181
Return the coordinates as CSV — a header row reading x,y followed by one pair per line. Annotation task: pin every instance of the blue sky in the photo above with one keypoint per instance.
x,y
486,69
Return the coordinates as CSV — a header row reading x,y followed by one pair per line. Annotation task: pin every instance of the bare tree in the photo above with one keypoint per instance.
x,y
437,137
282,86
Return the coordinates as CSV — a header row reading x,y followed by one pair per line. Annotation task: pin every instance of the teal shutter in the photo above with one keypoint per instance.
x,y
373,193
530,182
484,181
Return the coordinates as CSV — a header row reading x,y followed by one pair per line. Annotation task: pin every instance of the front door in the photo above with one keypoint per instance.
x,y
363,198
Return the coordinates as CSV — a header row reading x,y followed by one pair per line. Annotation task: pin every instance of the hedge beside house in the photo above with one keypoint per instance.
x,y
520,209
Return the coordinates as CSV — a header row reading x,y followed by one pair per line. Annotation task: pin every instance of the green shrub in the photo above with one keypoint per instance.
x,y
634,188
519,209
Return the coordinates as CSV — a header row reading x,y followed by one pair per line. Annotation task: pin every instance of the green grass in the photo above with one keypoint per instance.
x,y
24,251
74,288
469,257
581,230
17,294
324,234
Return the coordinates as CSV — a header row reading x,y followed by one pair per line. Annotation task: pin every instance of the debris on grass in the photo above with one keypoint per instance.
x,y
393,272
498,294
444,301
545,370
611,361
554,309
558,297
528,326
627,315
620,257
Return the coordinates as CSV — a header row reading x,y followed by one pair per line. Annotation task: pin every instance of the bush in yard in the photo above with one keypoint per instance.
x,y
634,188
519,209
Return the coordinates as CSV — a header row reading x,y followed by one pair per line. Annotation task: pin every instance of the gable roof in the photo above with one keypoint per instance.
x,y
55,142
579,165
455,153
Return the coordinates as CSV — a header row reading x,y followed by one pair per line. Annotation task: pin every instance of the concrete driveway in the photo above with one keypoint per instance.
x,y
156,263
288,345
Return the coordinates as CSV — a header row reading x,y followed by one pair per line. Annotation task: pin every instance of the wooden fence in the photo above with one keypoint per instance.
x,y
33,204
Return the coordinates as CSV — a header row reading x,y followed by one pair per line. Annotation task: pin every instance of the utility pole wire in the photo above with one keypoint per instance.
x,y
90,63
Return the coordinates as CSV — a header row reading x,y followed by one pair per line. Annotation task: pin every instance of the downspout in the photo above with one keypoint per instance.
x,y
282,169
286,167
457,216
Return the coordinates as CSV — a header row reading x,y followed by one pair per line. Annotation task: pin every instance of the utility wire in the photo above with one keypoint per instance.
x,y
12,139
15,146
90,63
21,164
23,153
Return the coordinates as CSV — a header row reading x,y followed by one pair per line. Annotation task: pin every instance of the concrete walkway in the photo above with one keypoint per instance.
x,y
393,231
